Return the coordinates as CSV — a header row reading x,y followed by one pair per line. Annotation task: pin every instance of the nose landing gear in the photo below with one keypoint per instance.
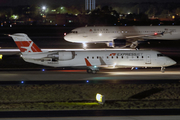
x,y
162,69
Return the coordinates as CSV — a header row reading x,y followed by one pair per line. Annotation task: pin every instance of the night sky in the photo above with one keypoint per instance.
x,y
70,2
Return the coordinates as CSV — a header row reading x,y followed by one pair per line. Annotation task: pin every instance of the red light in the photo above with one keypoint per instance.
x,y
155,33
64,34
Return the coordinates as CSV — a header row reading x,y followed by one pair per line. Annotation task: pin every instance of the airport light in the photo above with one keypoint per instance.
x,y
14,17
1,56
100,98
43,8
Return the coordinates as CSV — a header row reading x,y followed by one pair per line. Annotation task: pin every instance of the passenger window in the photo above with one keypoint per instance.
x,y
87,57
92,57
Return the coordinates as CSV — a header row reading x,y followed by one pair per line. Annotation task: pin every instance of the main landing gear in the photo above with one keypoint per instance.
x,y
92,71
135,45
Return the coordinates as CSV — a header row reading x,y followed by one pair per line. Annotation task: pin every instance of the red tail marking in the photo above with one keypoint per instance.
x,y
87,62
21,44
35,48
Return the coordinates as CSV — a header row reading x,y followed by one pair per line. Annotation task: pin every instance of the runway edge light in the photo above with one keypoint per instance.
x,y
100,98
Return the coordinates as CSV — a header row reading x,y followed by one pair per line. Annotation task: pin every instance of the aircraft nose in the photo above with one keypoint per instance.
x,y
172,62
66,37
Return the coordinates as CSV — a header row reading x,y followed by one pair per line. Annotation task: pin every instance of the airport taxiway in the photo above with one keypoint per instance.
x,y
105,74
102,118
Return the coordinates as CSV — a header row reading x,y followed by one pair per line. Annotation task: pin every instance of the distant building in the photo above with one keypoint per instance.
x,y
90,4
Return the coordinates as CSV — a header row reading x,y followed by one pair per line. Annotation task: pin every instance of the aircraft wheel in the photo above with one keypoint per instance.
x,y
162,69
94,71
89,71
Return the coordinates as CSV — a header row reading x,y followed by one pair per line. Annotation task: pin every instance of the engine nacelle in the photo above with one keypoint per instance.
x,y
62,56
117,43
66,55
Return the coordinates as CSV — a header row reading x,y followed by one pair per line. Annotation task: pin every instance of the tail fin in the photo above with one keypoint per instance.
x,y
25,44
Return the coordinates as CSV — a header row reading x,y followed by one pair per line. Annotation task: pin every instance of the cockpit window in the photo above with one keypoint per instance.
x,y
160,55
74,32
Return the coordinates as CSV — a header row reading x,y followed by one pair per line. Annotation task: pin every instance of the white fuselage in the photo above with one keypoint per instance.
x,y
118,58
109,33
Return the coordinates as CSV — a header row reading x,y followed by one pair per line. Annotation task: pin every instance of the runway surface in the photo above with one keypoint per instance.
x,y
103,118
147,114
105,74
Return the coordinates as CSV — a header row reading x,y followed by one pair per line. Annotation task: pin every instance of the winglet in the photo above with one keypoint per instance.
x,y
87,63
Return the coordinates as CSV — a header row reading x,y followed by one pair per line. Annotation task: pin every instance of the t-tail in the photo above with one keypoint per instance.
x,y
25,44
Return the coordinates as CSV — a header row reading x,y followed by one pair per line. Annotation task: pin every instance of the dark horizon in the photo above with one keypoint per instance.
x,y
73,2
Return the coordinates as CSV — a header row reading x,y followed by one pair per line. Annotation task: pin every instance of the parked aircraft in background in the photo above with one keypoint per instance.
x,y
122,35
92,60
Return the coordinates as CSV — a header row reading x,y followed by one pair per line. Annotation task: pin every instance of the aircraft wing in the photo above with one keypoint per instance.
x,y
132,41
146,35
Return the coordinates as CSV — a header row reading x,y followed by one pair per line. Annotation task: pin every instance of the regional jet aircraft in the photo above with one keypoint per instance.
x,y
92,60
122,35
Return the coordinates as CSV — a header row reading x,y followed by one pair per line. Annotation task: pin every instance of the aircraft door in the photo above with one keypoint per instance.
x,y
148,59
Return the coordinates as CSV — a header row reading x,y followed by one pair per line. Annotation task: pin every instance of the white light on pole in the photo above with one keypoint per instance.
x,y
43,7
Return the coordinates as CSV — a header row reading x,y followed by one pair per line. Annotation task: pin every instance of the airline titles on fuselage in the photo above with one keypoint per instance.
x,y
129,54
126,54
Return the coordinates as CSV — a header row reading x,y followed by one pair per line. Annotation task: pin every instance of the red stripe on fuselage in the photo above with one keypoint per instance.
x,y
21,44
